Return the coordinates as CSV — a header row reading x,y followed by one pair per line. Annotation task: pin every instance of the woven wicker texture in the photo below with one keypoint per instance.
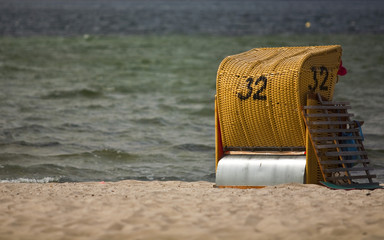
x,y
260,93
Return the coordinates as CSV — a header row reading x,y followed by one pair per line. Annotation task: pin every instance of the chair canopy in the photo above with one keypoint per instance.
x,y
260,93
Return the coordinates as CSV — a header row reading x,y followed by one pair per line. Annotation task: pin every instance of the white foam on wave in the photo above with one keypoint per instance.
x,y
29,180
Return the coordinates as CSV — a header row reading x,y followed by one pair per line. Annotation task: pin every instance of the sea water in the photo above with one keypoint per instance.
x,y
87,105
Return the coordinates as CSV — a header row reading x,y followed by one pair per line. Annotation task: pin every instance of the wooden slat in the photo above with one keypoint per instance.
x,y
329,170
337,138
314,107
351,177
313,123
357,161
334,130
337,146
329,115
334,103
345,153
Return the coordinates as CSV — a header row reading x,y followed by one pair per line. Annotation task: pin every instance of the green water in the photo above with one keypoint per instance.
x,y
141,107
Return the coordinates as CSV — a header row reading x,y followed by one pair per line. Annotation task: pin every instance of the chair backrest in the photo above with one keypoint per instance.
x,y
260,94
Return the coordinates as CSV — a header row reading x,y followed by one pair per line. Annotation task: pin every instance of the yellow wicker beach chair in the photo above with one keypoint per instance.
x,y
260,132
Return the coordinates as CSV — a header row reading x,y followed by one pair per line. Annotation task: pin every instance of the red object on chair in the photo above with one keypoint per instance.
x,y
342,70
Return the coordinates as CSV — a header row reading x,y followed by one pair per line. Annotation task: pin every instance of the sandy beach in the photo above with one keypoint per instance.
x,y
125,90
187,210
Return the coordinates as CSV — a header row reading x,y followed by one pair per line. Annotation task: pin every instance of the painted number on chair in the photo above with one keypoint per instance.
x,y
261,82
323,74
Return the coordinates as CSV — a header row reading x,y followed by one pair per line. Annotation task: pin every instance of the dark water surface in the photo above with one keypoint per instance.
x,y
78,103
223,17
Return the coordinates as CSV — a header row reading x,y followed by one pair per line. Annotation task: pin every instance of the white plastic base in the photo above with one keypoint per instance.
x,y
260,170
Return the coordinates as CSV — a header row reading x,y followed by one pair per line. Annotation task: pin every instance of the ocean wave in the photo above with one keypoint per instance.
x,y
205,111
208,178
374,141
113,154
82,156
136,88
83,93
159,121
32,128
31,144
194,147
50,171
19,157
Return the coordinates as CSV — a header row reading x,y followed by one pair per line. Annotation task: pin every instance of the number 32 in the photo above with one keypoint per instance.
x,y
257,95
323,71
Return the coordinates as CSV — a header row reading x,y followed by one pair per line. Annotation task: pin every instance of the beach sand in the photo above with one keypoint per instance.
x,y
187,210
